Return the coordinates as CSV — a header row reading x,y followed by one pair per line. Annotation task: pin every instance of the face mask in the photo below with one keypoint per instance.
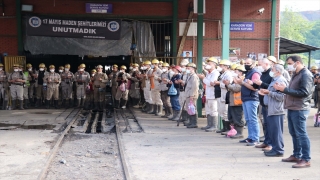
x,y
152,66
30,69
271,74
1,69
81,69
51,70
188,71
20,69
208,67
291,67
60,70
164,70
260,69
66,69
92,74
134,69
41,69
16,70
247,67
183,69
219,69
130,68
171,73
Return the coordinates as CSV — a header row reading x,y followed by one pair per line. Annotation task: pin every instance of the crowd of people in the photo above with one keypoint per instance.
x,y
237,93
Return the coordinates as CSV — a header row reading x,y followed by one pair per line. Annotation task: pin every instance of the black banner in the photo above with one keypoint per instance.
x,y
75,28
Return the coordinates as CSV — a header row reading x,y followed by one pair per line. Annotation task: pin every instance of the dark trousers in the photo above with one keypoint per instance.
x,y
267,140
275,132
165,99
235,115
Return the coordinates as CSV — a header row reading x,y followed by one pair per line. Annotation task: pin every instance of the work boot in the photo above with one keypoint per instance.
x,y
239,132
227,127
117,104
174,114
214,122
160,109
71,103
86,105
101,106
209,124
63,103
165,112
124,104
193,121
5,104
151,109
224,129
184,116
56,104
13,105
170,112
25,104
47,104
177,117
83,100
96,106
136,103
187,121
145,107
21,105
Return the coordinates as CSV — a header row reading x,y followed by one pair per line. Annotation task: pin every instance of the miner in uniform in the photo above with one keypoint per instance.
x,y
155,78
26,87
122,95
3,87
82,79
164,91
134,91
40,85
33,73
146,86
114,84
52,80
67,79
89,103
100,80
182,97
16,79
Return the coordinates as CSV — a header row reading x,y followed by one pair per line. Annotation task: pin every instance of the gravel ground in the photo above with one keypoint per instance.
x,y
87,156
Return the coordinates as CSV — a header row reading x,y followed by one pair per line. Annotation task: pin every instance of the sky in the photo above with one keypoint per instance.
x,y
300,5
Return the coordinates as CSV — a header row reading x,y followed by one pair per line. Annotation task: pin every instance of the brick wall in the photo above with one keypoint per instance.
x,y
241,10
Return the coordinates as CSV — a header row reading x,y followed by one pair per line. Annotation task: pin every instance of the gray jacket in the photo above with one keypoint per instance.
x,y
275,99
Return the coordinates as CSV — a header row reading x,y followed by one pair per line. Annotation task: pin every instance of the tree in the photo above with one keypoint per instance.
x,y
313,38
294,26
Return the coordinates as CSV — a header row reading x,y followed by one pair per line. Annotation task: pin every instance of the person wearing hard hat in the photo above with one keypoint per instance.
x,y
114,78
52,79
89,103
235,110
3,87
16,79
146,86
212,94
99,80
33,73
41,91
316,77
174,98
26,87
226,74
160,64
191,86
67,79
122,92
82,79
155,76
164,91
134,91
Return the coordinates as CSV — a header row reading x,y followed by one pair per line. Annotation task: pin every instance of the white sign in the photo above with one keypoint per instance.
x,y
192,29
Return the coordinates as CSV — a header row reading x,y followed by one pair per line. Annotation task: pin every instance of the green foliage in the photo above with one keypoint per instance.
x,y
313,38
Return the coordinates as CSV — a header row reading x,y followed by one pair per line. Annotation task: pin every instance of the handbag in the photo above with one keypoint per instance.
x,y
232,132
191,108
172,91
122,87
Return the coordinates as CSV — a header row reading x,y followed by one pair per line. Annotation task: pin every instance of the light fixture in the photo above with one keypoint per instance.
x,y
26,8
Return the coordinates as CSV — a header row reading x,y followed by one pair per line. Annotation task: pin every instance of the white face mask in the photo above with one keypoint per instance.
x,y
291,67
271,74
20,69
61,70
51,70
81,69
208,67
188,71
164,69
1,69
92,75
183,69
41,69
130,68
152,66
30,69
134,69
16,70
219,69
66,69
171,73
260,69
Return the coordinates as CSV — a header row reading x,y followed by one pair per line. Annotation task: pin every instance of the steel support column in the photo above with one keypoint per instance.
x,y
19,27
309,60
226,29
174,29
273,28
199,48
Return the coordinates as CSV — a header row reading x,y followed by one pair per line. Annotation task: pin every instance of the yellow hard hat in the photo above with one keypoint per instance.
x,y
135,65
123,67
212,59
99,66
191,65
41,65
155,61
29,65
115,65
225,62
241,68
82,65
16,65
52,67
67,66
165,64
234,66
281,62
272,59
147,63
314,67
160,62
61,67
93,70
1,65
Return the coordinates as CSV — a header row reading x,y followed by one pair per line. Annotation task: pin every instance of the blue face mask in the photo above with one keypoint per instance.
x,y
152,66
188,71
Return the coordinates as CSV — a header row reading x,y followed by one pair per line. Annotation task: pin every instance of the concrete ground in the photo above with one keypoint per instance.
x,y
166,151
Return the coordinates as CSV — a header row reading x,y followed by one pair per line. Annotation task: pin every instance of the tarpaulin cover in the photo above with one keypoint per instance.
x,y
144,40
81,47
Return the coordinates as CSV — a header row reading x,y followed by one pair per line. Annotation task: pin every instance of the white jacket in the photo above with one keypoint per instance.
x,y
210,77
